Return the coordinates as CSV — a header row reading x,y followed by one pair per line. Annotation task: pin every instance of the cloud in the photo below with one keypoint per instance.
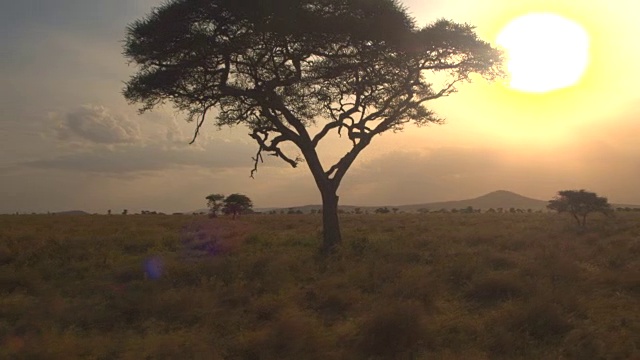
x,y
131,159
98,125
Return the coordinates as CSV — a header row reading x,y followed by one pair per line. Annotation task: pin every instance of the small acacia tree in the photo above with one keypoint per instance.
x,y
236,204
295,71
214,203
579,203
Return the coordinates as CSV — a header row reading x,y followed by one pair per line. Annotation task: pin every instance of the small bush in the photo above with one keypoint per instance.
x,y
501,262
581,344
541,320
394,331
292,335
495,288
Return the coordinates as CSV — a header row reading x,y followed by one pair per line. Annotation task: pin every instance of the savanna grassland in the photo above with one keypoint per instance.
x,y
402,286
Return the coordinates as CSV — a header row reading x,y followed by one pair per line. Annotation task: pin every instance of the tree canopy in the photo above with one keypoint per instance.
x,y
295,71
579,203
214,203
236,204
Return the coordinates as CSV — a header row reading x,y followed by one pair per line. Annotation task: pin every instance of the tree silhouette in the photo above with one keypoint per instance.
x,y
294,71
579,203
214,203
236,204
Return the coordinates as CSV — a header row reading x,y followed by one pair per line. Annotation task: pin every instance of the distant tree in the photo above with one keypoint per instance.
x,y
124,212
214,203
288,67
109,212
236,204
395,210
579,203
382,210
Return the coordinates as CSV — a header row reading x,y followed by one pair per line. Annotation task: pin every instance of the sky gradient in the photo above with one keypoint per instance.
x,y
69,140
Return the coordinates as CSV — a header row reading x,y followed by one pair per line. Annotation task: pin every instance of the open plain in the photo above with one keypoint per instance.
x,y
401,286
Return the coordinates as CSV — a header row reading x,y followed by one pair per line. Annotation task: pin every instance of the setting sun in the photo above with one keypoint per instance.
x,y
545,52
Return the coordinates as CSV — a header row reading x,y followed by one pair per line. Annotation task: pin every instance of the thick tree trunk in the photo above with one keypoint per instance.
x,y
331,236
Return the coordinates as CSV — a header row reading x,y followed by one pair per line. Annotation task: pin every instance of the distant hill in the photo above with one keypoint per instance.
x,y
497,199
73,212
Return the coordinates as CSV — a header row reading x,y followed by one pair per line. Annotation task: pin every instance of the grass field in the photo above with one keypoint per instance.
x,y
405,286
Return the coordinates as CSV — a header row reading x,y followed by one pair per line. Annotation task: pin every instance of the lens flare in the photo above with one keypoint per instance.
x,y
153,268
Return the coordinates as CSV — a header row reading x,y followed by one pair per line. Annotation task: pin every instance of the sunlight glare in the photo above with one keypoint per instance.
x,y
545,52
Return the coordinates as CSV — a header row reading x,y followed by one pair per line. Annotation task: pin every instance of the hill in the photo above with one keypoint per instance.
x,y
72,212
497,199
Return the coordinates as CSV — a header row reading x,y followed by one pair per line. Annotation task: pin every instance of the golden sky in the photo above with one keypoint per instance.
x,y
70,141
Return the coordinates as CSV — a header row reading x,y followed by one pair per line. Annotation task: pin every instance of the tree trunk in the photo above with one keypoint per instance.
x,y
331,236
575,216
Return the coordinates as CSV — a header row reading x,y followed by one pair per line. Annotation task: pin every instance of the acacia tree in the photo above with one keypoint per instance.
x,y
236,204
579,203
214,203
295,71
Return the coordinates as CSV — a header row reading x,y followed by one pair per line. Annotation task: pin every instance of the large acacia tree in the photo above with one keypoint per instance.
x,y
579,203
296,71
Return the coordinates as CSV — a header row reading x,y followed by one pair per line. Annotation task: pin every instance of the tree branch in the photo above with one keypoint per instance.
x,y
199,124
339,169
257,158
271,147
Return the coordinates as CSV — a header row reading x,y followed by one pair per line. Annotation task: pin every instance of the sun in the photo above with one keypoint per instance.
x,y
545,52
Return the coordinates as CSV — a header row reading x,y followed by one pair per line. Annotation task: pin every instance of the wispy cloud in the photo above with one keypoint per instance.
x,y
137,159
97,124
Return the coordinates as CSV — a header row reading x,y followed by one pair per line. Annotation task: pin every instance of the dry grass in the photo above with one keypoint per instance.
x,y
405,286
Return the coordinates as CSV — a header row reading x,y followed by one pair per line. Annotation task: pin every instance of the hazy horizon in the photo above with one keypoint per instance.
x,y
70,141
317,204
